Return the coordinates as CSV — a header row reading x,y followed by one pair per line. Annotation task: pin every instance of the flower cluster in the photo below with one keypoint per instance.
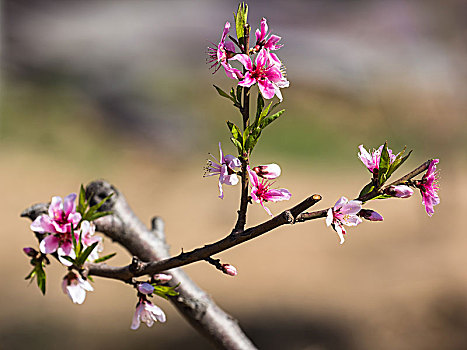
x,y
261,192
267,69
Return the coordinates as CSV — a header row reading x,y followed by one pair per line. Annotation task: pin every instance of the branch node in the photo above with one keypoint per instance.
x,y
136,265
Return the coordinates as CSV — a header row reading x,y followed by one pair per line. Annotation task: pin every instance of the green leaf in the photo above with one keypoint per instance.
x,y
40,277
383,196
259,106
30,274
70,259
239,94
269,119
274,106
241,19
90,278
104,258
90,214
383,165
99,214
223,93
81,201
398,162
238,145
82,258
235,131
232,94
165,291
367,189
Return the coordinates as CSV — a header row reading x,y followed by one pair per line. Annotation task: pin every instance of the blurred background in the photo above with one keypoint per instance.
x,y
120,90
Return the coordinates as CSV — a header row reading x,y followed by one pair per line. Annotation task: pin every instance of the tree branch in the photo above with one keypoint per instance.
x,y
149,245
150,268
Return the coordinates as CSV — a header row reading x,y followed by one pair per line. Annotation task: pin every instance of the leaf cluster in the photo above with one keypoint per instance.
x,y
88,212
246,141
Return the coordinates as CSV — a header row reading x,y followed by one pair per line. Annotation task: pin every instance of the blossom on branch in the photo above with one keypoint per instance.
x,y
221,53
162,277
229,269
61,216
226,167
75,287
372,160
429,187
370,215
399,191
145,288
261,191
269,171
265,72
148,313
267,43
343,213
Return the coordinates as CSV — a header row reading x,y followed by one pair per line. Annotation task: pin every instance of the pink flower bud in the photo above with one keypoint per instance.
x,y
162,277
30,251
400,191
229,269
269,171
370,215
145,288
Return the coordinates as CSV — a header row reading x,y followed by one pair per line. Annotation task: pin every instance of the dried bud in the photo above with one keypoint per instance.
x,y
370,215
400,191
145,288
162,277
229,269
30,252
269,171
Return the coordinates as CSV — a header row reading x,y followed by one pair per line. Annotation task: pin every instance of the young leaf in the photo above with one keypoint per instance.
x,y
223,93
269,119
104,258
98,215
238,145
367,189
239,94
70,259
90,213
259,106
241,19
40,277
84,255
73,238
235,131
81,201
398,162
383,165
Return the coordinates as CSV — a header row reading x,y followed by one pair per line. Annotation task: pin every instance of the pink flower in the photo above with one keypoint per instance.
x,y
145,288
429,187
225,167
400,191
372,160
221,53
76,287
269,171
162,277
229,269
344,212
265,72
148,313
261,192
60,218
270,43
